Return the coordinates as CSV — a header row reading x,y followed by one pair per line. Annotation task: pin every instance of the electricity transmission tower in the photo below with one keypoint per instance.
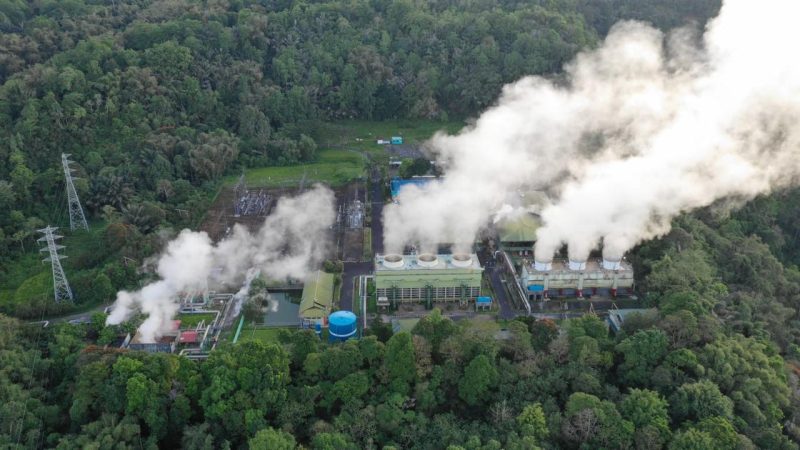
x,y
60,284
76,217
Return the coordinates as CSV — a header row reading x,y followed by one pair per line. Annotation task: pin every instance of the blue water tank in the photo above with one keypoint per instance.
x,y
342,326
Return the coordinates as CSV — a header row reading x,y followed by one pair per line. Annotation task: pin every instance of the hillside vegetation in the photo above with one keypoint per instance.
x,y
161,102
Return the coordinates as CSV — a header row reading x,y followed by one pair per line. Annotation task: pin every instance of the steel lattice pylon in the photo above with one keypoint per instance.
x,y
60,284
76,217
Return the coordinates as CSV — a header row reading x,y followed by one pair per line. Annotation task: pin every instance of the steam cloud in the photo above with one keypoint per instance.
x,y
289,242
643,128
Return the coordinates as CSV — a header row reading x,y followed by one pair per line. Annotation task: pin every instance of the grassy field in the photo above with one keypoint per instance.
x,y
333,167
367,244
361,134
342,144
28,277
260,334
191,320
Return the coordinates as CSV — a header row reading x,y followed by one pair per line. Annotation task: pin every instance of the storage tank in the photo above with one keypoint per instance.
x,y
342,326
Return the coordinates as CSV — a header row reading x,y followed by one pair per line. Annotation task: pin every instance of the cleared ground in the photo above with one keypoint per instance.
x,y
362,135
191,320
333,167
260,334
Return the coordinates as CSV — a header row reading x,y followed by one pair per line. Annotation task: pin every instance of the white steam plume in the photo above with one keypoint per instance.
x,y
645,127
288,244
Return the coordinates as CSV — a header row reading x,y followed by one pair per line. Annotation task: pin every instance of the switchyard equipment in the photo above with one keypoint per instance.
x,y
570,278
354,214
427,278
247,202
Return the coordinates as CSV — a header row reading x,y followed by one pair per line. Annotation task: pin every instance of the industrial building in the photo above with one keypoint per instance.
x,y
517,236
516,230
397,184
427,278
317,299
563,278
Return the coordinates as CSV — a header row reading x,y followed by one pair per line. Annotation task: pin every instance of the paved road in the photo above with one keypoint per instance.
x,y
351,272
495,273
507,310
84,316
376,198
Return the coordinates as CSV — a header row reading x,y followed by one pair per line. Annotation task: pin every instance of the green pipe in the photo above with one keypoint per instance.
x,y
238,330
428,296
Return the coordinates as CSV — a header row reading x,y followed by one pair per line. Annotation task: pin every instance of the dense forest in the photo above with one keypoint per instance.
x,y
157,100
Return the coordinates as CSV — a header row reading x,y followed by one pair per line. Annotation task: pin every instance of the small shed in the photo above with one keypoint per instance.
x,y
397,184
519,234
317,297
483,303
399,325
397,140
616,317
188,337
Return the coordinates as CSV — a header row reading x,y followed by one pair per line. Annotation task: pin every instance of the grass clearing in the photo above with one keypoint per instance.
x,y
189,320
362,134
333,167
339,159
367,244
260,334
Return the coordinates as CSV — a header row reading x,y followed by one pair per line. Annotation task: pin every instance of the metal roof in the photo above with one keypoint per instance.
x,y
188,337
397,184
317,296
443,262
521,229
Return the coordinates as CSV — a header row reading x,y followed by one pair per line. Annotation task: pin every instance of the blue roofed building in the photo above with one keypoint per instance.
x,y
397,184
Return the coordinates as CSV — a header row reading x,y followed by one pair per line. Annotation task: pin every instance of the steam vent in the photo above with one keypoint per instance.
x,y
427,278
572,278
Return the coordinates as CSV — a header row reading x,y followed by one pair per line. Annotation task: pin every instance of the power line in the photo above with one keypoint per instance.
x,y
61,288
76,217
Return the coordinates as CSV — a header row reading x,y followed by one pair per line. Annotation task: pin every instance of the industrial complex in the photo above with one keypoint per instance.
x,y
564,278
498,275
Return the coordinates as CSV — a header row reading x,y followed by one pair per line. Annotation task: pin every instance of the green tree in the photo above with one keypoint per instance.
x,y
399,362
693,439
435,328
479,377
271,439
249,376
531,421
642,352
700,400
332,441
646,409
596,423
